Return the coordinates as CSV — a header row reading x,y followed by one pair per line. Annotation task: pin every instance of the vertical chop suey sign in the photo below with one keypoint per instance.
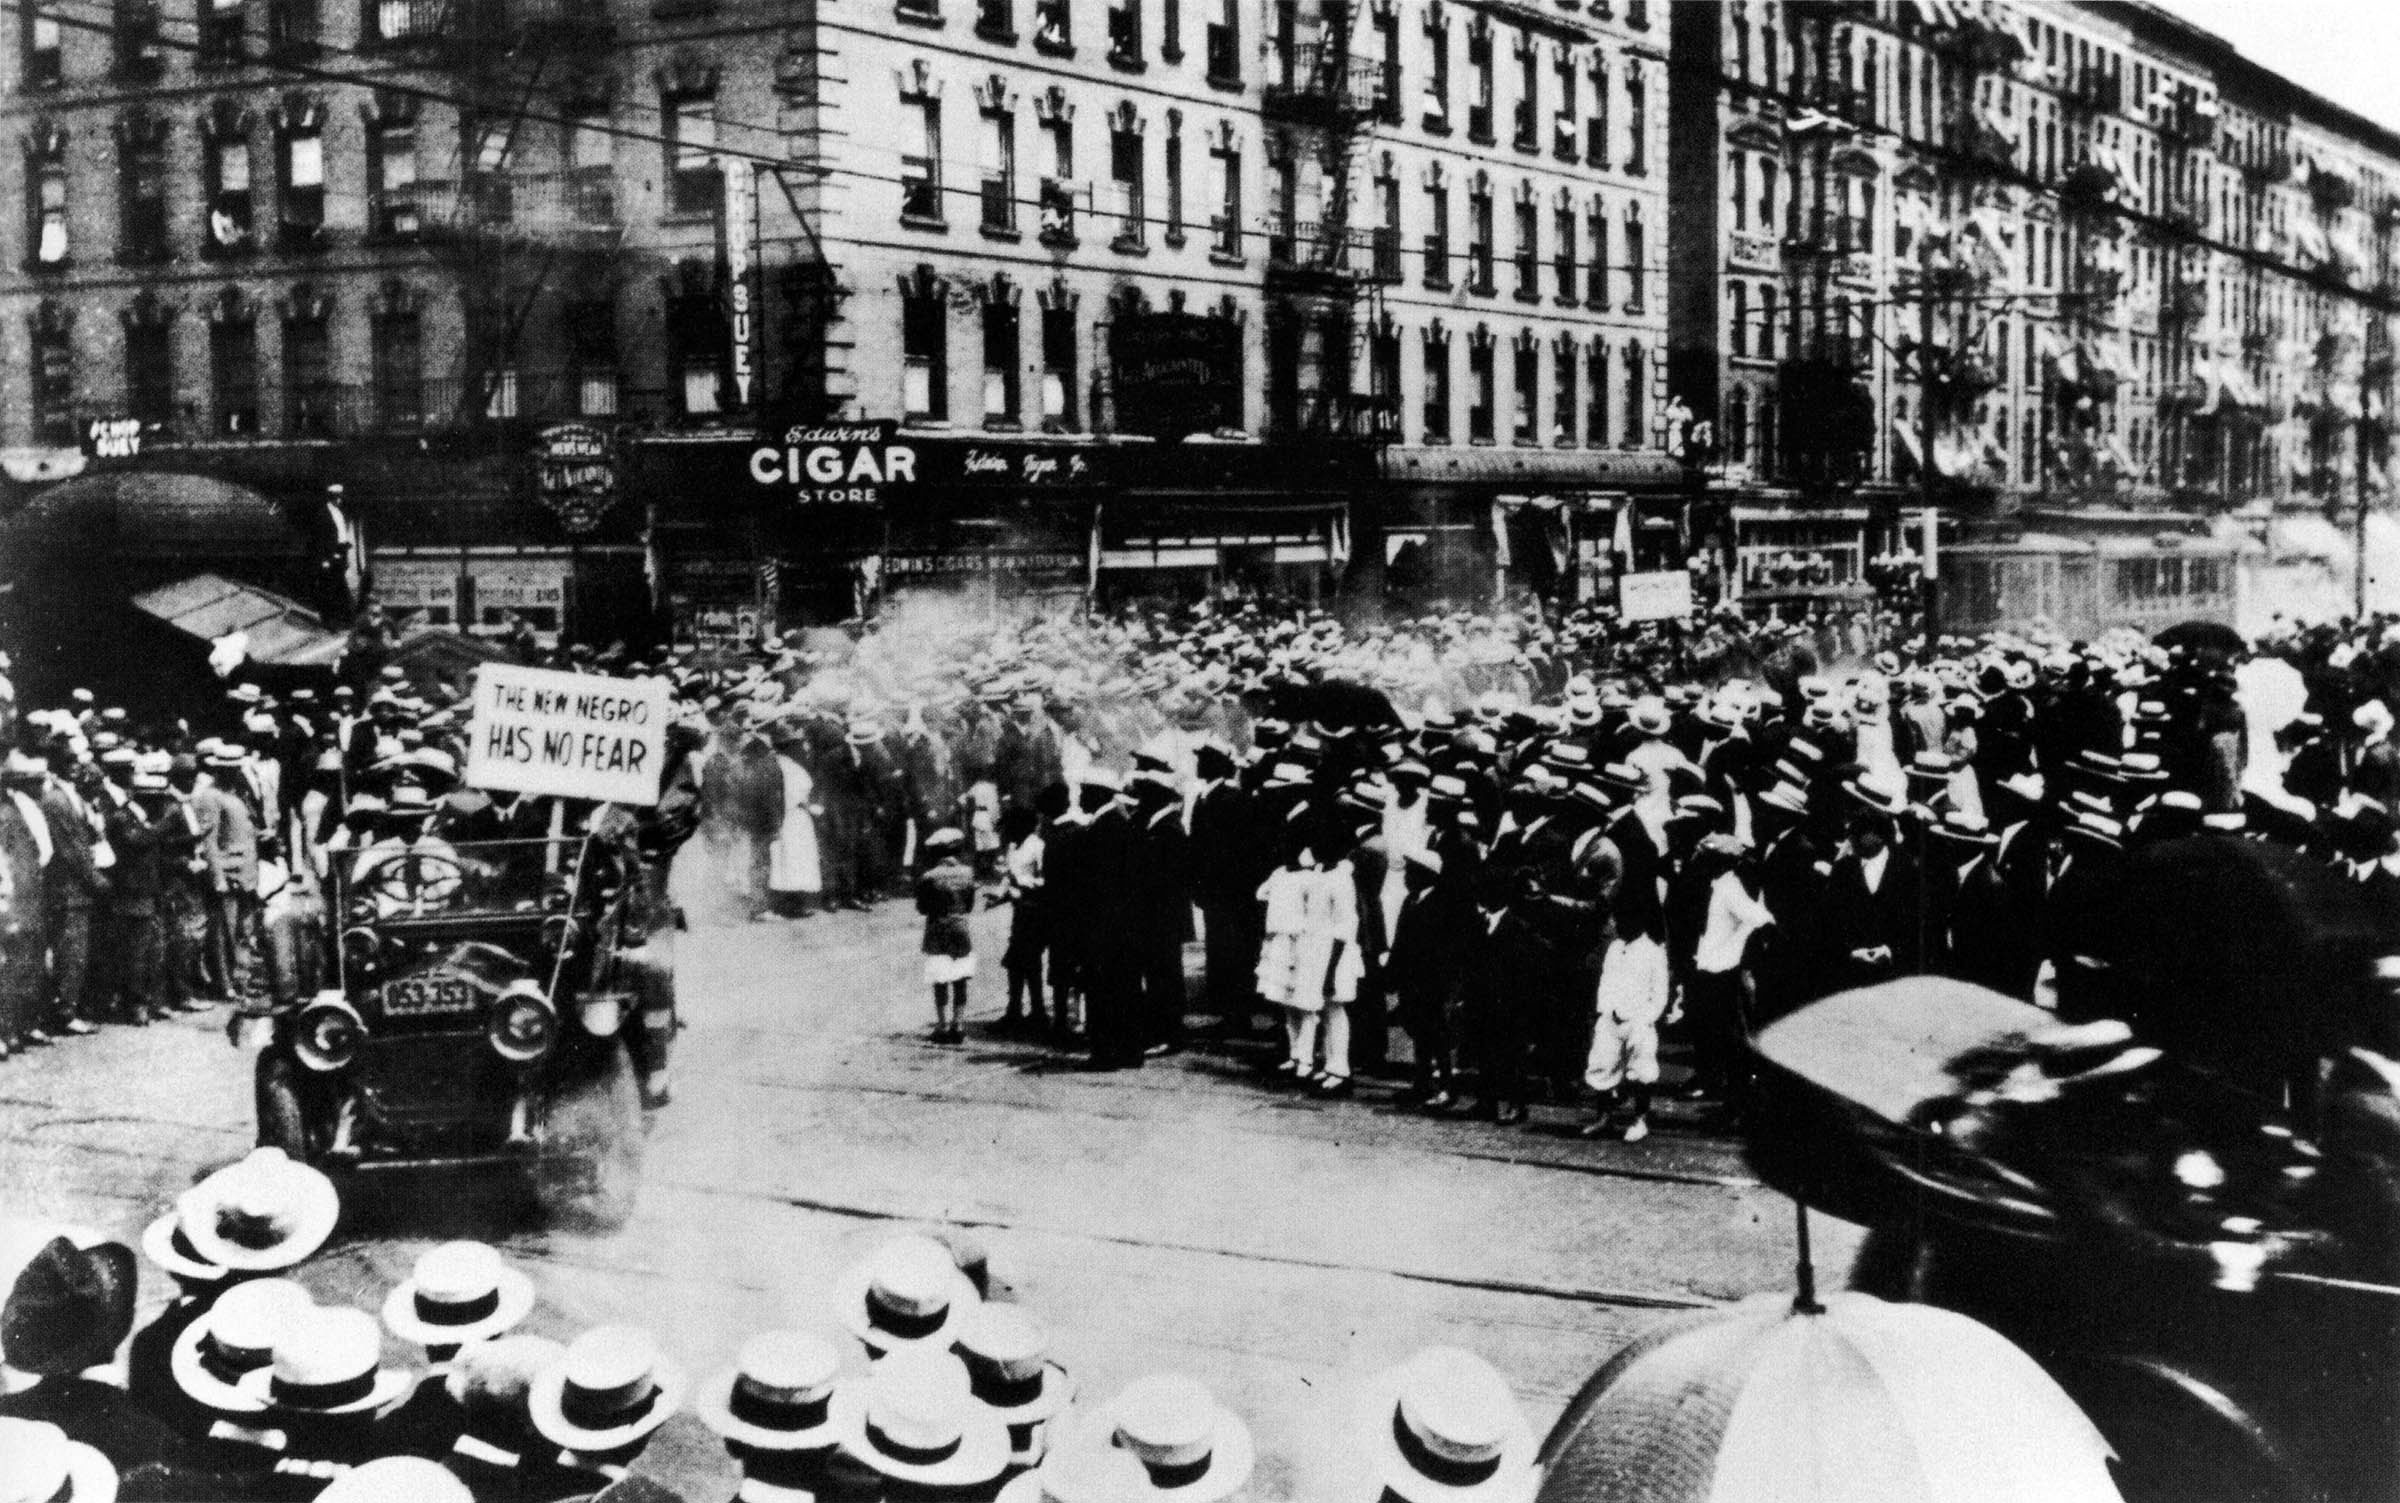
x,y
741,223
534,730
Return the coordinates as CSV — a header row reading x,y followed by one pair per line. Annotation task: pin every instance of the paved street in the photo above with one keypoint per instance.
x,y
1175,1217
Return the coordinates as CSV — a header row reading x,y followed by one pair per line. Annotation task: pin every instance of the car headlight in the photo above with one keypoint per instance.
x,y
328,1034
523,1024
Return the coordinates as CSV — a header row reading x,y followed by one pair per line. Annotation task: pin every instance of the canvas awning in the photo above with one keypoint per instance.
x,y
152,514
276,631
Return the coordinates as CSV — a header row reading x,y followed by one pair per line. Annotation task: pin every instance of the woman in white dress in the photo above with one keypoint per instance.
x,y
795,875
1329,960
1285,897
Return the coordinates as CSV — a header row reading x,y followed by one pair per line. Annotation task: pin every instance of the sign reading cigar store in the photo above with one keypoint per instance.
x,y
575,473
835,464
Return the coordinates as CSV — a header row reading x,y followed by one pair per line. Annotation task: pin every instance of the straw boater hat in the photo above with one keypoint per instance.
x,y
611,1389
918,1422
784,1393
164,1243
1095,1472
397,1479
1009,1372
458,1292
260,1214
907,1292
235,1338
328,1361
39,1464
1195,1449
1442,1427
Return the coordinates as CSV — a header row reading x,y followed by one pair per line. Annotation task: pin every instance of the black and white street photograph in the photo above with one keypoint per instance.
x,y
1199,751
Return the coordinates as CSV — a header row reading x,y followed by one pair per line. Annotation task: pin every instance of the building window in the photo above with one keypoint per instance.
x,y
1126,170
1637,394
1770,453
921,162
1436,416
1737,172
1637,14
1565,128
1562,254
233,376
150,370
1170,30
399,355
1562,408
1174,171
1737,340
693,184
1525,427
1283,210
1766,321
1000,363
1383,378
224,33
697,351
1766,194
45,53
1637,120
1053,27
1386,233
592,355
1637,259
392,170
303,184
925,353
46,202
1527,122
1225,45
590,152
308,376
1387,72
1437,236
1125,33
1283,370
1595,269
1737,428
142,197
1437,71
1225,224
996,20
1058,188
291,28
1058,370
1595,125
1479,239
1529,260
1595,395
1481,398
53,373
999,143
141,58
1479,69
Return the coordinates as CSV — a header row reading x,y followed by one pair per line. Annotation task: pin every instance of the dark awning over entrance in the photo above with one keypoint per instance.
x,y
146,514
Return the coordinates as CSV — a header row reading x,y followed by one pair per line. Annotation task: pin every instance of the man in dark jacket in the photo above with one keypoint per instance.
x,y
1225,880
74,885
1160,906
24,916
1430,940
1873,904
142,822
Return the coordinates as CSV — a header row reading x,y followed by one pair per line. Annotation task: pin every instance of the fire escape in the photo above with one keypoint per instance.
x,y
1827,427
1325,275
523,209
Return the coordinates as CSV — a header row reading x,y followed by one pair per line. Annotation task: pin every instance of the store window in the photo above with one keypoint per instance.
x,y
397,333
697,347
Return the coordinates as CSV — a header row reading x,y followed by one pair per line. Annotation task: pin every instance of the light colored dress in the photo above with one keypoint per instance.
x,y
1284,896
792,859
1311,954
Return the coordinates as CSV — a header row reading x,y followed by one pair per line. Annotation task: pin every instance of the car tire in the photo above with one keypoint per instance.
x,y
588,1172
282,1121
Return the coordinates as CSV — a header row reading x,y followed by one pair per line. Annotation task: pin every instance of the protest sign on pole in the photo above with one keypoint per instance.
x,y
1662,596
534,730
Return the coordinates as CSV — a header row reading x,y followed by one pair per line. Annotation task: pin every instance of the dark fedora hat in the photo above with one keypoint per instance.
x,y
70,1308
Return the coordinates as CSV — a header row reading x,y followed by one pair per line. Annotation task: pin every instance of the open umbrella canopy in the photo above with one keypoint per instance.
x,y
2203,636
1857,1401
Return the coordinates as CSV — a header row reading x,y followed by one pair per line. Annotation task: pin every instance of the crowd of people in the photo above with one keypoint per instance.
x,y
913,1375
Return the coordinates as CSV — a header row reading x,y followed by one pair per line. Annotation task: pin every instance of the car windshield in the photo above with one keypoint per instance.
x,y
424,876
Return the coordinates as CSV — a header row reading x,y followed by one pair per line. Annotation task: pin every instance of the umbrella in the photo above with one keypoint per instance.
x,y
2204,636
1855,1399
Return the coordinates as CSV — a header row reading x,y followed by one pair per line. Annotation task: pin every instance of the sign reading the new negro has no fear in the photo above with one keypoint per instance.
x,y
535,730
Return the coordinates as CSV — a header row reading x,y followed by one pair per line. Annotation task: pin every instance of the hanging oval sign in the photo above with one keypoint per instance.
x,y
575,473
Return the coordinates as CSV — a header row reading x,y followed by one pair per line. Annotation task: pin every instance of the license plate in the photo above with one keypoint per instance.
x,y
416,996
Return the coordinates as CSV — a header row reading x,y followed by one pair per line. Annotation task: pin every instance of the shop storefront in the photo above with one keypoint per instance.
x,y
1795,554
1563,525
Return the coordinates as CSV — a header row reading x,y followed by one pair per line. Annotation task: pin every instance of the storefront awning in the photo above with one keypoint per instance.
x,y
149,514
1532,469
274,630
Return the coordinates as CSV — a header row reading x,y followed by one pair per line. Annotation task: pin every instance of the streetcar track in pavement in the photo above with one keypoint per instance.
x,y
1238,1122
1565,1293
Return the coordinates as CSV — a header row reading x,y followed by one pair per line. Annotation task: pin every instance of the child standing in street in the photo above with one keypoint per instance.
x,y
946,896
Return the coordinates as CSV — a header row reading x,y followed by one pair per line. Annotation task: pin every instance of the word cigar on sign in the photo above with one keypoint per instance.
x,y
835,463
534,730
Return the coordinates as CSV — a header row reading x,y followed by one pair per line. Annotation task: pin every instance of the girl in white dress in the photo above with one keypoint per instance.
x,y
795,875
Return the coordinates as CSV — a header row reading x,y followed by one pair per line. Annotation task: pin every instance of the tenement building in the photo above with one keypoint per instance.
x,y
2069,273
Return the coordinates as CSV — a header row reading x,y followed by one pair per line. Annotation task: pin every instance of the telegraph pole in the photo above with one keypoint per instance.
x,y
2358,539
1929,587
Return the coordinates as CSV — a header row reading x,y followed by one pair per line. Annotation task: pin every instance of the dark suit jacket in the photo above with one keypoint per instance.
x,y
73,881
1856,919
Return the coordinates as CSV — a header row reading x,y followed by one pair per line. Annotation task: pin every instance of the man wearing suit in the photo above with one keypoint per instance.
x,y
1872,901
143,821
1225,883
1159,905
1430,940
1112,952
24,855
74,886
1976,945
229,832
